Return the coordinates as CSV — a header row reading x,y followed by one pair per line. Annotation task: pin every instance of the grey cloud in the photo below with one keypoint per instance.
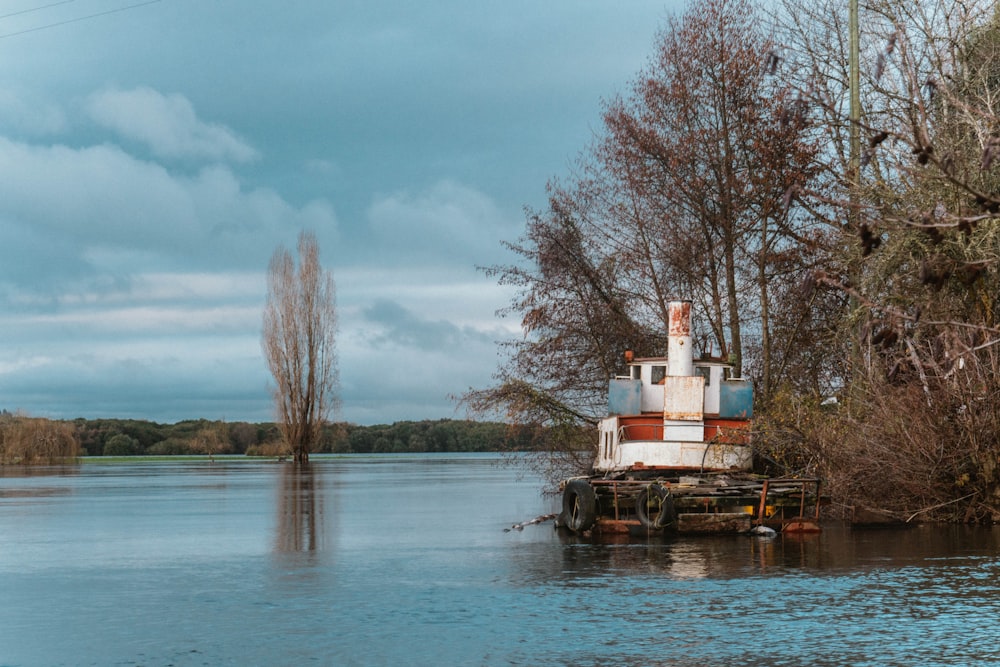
x,y
101,197
447,222
30,256
403,327
408,135
214,376
26,113
167,124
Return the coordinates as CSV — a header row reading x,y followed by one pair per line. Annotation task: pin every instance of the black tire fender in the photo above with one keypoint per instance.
x,y
667,514
579,505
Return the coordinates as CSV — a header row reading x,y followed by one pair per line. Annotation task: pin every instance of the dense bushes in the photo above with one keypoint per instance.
x,y
130,437
121,445
925,450
27,440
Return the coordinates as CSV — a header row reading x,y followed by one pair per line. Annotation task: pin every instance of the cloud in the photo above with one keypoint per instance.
x,y
212,375
399,326
167,125
468,300
448,220
159,345
28,114
100,207
129,288
397,364
150,164
142,307
32,256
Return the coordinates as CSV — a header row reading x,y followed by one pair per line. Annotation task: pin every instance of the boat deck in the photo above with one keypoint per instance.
x,y
713,504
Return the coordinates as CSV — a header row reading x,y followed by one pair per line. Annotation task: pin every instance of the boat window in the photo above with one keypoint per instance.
x,y
657,373
636,373
705,373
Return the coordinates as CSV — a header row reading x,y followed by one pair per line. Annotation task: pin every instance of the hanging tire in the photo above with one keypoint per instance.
x,y
579,505
654,506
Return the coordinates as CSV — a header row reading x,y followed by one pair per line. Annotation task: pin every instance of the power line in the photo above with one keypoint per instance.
x,y
36,9
77,19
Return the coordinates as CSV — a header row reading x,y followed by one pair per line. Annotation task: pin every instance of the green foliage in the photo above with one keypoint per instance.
x,y
121,444
170,447
444,435
184,437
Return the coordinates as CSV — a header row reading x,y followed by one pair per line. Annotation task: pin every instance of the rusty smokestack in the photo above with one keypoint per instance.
x,y
680,356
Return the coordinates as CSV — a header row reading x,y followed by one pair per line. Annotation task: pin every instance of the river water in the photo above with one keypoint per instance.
x,y
403,560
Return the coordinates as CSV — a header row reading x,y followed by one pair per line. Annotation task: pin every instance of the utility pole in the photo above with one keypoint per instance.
x,y
855,112
854,172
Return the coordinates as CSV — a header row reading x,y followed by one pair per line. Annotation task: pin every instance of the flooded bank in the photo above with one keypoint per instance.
x,y
403,560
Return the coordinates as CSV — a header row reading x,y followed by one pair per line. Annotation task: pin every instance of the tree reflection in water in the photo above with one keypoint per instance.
x,y
301,526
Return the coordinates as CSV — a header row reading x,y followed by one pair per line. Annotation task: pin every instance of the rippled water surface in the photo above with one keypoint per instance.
x,y
403,560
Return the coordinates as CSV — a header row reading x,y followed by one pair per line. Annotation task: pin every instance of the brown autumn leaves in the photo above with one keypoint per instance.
x,y
860,298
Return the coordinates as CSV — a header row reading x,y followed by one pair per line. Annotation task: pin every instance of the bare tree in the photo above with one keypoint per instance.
x,y
27,440
212,439
300,326
919,258
682,194
712,142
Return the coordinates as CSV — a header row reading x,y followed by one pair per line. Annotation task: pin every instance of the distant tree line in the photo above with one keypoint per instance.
x,y
34,440
427,436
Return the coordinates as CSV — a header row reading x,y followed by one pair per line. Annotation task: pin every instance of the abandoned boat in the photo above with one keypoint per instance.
x,y
674,453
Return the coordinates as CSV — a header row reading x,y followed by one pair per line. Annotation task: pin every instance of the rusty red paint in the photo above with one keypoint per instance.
x,y
680,318
801,525
728,431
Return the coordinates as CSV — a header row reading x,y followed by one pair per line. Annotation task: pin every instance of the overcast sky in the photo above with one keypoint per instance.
x,y
153,158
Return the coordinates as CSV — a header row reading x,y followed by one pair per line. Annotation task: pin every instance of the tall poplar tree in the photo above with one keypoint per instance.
x,y
299,343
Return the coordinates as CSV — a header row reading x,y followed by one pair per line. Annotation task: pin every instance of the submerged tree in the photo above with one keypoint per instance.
x,y
300,326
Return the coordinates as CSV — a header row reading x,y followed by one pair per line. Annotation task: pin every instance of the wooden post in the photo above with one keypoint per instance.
x,y
763,504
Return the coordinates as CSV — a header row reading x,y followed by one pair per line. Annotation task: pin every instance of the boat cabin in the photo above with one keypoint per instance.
x,y
675,413
643,389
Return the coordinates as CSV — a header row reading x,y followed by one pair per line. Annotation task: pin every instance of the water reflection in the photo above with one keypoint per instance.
x,y
380,560
676,557
301,525
838,547
62,470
